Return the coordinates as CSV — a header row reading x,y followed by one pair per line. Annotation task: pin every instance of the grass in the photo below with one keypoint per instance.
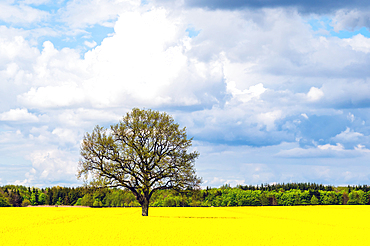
x,y
298,225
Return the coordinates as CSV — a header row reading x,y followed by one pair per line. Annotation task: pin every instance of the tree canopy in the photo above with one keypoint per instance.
x,y
145,152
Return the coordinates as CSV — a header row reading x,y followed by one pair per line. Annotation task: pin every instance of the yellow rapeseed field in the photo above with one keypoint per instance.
x,y
299,225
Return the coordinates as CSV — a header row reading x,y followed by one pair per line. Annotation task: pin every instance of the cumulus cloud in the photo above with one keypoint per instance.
x,y
320,151
91,44
346,93
66,135
315,94
359,43
21,115
49,166
219,164
245,95
77,14
351,19
250,86
149,68
15,47
348,136
53,96
21,14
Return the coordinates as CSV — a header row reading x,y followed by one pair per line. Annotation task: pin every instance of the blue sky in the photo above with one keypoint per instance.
x,y
270,93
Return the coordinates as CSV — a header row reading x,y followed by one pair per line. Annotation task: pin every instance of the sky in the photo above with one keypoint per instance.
x,y
270,91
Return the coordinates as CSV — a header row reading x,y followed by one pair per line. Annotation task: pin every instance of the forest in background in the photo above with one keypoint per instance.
x,y
261,195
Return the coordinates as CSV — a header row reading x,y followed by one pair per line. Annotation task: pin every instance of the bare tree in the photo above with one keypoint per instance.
x,y
143,153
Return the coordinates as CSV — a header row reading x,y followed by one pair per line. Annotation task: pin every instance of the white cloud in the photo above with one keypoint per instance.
x,y
21,14
18,115
350,19
146,67
269,118
337,147
315,94
55,79
78,14
346,93
323,151
23,182
8,138
248,79
87,118
66,135
362,148
51,164
359,43
215,181
145,63
53,96
16,47
246,95
91,44
55,67
351,117
348,136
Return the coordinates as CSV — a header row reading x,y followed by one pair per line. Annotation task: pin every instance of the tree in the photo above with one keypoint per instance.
x,y
34,198
145,152
97,203
314,200
26,203
49,199
4,202
15,199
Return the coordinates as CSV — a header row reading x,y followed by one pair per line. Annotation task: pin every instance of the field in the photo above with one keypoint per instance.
x,y
298,225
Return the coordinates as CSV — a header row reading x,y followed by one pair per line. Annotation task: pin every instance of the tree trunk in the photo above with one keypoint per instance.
x,y
145,207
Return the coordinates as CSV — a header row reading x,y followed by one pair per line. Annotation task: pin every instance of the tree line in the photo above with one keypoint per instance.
x,y
262,195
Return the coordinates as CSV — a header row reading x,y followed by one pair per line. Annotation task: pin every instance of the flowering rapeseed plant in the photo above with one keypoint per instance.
x,y
299,225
